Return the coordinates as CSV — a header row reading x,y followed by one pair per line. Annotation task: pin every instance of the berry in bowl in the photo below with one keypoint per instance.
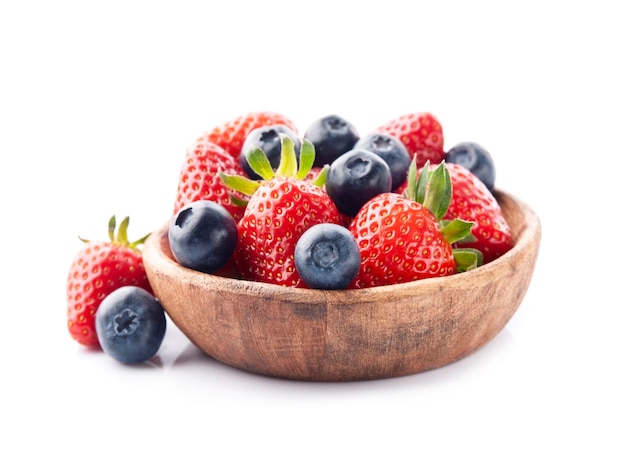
x,y
443,262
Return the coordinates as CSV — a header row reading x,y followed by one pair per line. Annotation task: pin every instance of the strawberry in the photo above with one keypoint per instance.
x,y
199,178
231,135
98,269
421,134
402,238
472,201
282,207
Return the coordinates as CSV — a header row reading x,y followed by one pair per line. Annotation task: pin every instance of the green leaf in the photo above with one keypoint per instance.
x,y
439,192
320,179
112,226
467,239
237,200
411,189
288,161
259,162
416,186
138,242
307,158
467,259
122,232
239,183
456,230
421,183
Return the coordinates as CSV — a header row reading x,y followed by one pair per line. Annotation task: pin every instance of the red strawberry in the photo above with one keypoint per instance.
x,y
280,210
231,135
199,177
421,133
98,269
401,239
472,201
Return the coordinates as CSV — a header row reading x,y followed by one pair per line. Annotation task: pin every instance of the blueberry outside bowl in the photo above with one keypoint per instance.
x,y
346,335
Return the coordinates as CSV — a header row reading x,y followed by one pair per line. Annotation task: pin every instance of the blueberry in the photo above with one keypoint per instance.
x,y
476,159
268,140
327,256
202,236
392,151
130,323
354,178
331,136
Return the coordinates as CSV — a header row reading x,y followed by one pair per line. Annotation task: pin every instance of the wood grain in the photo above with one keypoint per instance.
x,y
360,334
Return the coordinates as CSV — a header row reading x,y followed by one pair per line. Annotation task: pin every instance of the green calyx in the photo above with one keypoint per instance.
x,y
289,167
119,236
433,189
467,259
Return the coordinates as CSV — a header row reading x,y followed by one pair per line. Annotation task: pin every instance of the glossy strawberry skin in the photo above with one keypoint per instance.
x,y
97,270
276,216
422,135
231,135
472,201
400,241
199,177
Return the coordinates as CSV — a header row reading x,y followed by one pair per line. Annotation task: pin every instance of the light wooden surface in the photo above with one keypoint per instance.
x,y
362,334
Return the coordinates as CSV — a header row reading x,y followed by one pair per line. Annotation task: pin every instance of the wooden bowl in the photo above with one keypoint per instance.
x,y
344,335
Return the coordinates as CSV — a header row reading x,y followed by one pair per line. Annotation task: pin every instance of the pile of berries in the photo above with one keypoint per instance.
x,y
329,209
110,303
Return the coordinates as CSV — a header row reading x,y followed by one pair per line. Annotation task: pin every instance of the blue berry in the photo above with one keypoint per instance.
x,y
392,151
327,256
331,136
267,139
476,159
202,236
354,178
131,324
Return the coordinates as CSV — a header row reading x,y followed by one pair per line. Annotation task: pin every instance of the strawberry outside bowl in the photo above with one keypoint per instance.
x,y
347,335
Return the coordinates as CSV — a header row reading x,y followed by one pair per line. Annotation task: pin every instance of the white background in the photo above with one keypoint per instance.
x,y
98,102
